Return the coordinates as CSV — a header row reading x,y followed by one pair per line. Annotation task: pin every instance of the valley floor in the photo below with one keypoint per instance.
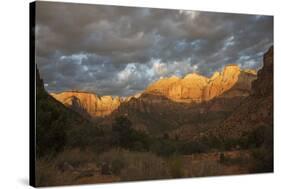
x,y
74,167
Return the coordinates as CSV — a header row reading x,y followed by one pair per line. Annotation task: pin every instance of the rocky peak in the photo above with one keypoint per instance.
x,y
231,68
174,78
257,109
264,84
161,86
166,80
233,80
128,98
230,73
249,71
194,77
215,75
89,103
197,88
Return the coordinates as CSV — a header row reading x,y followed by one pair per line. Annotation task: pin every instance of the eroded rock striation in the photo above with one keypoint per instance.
x,y
88,103
231,82
196,88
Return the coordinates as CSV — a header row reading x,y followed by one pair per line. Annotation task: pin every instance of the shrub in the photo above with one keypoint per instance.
x,y
175,165
205,168
74,157
263,160
134,165
47,174
126,137
54,134
222,158
117,165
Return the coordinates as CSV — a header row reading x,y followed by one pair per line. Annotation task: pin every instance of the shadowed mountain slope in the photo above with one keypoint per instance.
x,y
257,109
57,126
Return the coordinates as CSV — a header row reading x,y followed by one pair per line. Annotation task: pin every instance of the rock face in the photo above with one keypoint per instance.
x,y
88,104
158,114
189,89
197,88
230,104
257,109
231,82
263,86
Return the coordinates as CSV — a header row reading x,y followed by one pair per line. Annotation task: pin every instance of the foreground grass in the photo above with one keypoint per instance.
x,y
76,166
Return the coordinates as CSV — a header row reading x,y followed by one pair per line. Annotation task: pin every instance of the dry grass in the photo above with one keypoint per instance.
x,y
75,157
175,165
75,166
136,165
203,168
63,169
47,174
81,167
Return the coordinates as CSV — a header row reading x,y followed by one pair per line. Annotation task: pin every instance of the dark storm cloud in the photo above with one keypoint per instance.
x,y
120,50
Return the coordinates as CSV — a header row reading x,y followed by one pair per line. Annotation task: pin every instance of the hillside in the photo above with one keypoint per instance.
x,y
57,124
185,107
257,109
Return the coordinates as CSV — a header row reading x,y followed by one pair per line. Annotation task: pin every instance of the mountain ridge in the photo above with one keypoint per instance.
x,y
197,88
192,88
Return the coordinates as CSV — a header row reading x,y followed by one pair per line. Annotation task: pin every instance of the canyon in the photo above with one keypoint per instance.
x,y
193,88
223,123
187,108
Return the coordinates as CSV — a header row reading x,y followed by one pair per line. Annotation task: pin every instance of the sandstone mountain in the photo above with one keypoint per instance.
x,y
233,103
196,88
231,82
88,104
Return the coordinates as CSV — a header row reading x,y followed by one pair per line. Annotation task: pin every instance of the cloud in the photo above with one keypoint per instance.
x,y
116,50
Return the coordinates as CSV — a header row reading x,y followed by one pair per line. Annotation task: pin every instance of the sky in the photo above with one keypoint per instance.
x,y
119,51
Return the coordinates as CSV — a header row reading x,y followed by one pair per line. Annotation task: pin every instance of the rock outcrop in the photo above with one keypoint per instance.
x,y
88,103
257,109
196,88
231,82
263,86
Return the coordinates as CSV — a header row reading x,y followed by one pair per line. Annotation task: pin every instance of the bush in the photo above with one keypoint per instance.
x,y
117,165
134,165
47,174
176,167
85,136
74,157
222,158
126,137
263,160
205,168
164,147
50,130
